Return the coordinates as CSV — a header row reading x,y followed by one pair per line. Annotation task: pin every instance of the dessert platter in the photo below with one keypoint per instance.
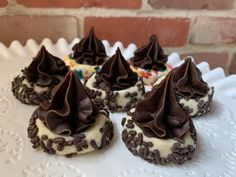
x,y
160,118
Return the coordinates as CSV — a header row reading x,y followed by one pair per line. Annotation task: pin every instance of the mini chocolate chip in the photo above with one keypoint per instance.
x,y
176,145
31,127
124,135
32,121
190,147
94,144
140,139
157,156
35,139
123,121
42,145
71,155
81,143
163,161
34,132
150,144
79,148
145,152
85,146
129,139
141,151
135,139
44,137
36,145
60,147
52,151
145,144
81,135
130,121
49,143
58,140
131,145
132,132
128,125
104,142
46,150
134,152
151,155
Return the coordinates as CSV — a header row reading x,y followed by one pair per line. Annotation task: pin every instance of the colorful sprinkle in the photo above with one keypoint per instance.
x,y
79,74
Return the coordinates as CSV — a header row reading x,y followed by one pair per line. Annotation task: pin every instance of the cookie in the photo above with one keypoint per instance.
x,y
35,83
158,130
116,86
70,123
87,56
150,62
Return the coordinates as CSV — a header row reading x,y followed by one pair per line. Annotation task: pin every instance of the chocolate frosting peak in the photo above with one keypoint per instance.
x,y
160,115
46,69
116,74
90,50
150,56
189,80
70,111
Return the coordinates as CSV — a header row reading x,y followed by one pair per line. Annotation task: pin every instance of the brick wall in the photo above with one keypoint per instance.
x,y
205,29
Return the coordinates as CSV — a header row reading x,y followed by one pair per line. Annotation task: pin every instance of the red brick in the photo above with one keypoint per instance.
x,y
214,59
232,68
3,3
37,27
170,31
192,4
211,30
123,4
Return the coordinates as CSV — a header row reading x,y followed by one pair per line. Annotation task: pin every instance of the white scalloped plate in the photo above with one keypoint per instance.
x,y
215,156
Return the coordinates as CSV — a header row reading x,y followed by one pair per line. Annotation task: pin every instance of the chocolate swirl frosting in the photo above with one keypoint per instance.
x,y
90,50
70,110
150,56
188,79
160,115
116,74
46,69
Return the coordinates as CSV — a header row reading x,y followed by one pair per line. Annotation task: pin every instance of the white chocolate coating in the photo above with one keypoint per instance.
x,y
37,89
28,93
92,133
164,146
120,100
193,104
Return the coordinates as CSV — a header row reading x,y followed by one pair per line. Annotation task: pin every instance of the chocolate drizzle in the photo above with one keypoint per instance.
x,y
116,74
150,56
160,115
188,79
90,50
70,110
45,69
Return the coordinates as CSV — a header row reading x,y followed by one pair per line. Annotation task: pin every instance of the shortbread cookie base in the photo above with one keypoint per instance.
x,y
29,93
157,150
94,138
197,106
121,100
151,77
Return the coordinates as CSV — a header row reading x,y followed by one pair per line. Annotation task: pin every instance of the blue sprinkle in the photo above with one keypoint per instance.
x,y
97,68
79,73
